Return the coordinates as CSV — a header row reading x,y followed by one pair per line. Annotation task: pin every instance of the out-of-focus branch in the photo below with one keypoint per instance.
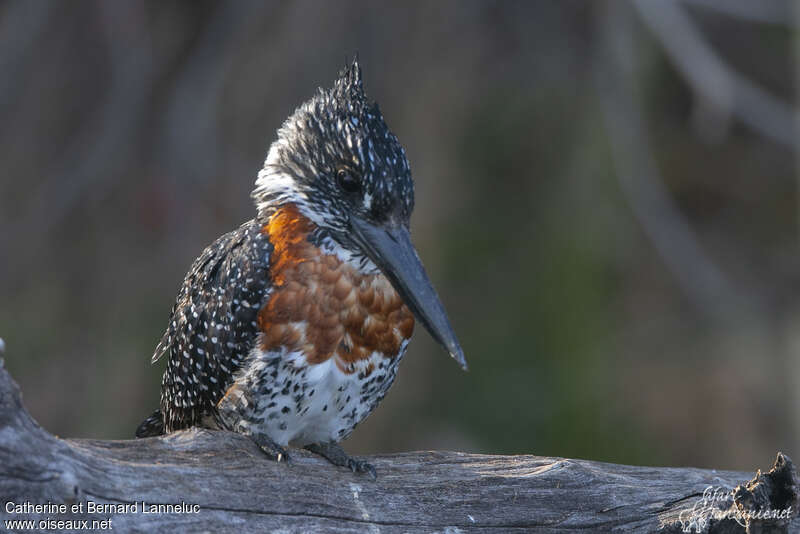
x,y
639,178
761,11
190,122
103,140
711,78
21,24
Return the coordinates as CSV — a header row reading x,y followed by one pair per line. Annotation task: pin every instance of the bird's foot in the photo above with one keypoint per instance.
x,y
270,448
335,454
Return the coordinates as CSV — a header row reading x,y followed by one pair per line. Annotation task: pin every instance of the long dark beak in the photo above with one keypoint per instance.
x,y
391,250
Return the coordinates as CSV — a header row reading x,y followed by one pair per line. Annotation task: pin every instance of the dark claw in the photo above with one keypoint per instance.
x,y
361,466
283,457
276,453
271,449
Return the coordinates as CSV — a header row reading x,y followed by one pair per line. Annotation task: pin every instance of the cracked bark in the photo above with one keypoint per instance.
x,y
239,490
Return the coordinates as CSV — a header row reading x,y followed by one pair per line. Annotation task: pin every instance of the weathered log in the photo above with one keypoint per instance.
x,y
221,482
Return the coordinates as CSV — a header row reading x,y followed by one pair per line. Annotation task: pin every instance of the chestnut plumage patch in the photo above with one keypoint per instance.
x,y
323,307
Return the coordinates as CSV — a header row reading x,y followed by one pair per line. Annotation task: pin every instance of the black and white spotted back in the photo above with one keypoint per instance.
x,y
212,327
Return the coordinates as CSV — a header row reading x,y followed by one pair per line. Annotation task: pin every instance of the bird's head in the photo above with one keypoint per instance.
x,y
337,161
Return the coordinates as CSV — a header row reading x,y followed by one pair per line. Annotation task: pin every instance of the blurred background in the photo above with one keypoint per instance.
x,y
607,202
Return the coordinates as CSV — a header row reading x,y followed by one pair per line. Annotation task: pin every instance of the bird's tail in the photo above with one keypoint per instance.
x,y
152,426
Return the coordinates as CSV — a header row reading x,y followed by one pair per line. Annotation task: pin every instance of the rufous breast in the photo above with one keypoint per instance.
x,y
325,307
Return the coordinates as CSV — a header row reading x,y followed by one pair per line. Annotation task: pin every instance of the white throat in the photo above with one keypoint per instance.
x,y
360,262
275,188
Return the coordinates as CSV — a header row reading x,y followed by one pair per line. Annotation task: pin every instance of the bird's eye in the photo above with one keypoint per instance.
x,y
348,180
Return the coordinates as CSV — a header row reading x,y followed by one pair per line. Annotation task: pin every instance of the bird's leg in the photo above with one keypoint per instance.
x,y
270,448
227,413
335,454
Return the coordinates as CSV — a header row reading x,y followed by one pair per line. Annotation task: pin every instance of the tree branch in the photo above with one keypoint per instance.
x,y
709,76
640,180
236,489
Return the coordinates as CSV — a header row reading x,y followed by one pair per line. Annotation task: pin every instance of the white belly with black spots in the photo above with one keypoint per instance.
x,y
297,403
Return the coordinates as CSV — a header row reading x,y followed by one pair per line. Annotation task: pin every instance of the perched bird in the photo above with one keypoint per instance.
x,y
290,329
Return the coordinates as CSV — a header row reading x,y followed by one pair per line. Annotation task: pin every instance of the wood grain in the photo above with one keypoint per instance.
x,y
238,490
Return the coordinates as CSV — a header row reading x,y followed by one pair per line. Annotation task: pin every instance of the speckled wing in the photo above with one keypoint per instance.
x,y
213,326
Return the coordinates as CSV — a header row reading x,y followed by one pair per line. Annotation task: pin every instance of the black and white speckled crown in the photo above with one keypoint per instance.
x,y
337,128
